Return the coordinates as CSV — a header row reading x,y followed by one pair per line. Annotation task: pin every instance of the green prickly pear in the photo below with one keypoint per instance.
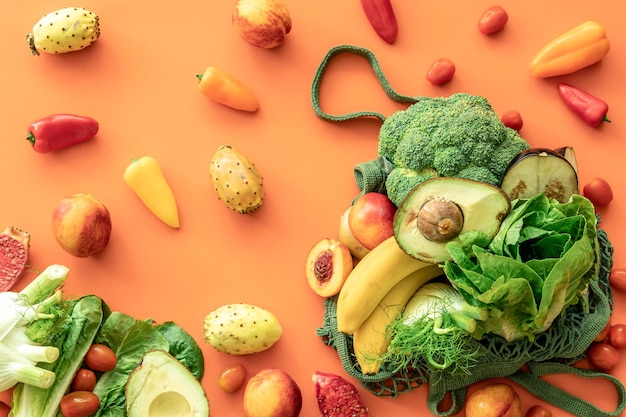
x,y
237,181
64,30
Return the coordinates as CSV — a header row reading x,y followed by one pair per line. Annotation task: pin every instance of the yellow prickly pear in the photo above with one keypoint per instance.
x,y
236,180
64,30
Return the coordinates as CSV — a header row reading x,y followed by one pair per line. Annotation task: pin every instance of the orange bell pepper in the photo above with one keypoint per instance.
x,y
576,49
225,89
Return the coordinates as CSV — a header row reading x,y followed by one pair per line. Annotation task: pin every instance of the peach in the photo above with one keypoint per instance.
x,y
81,225
272,393
328,265
347,238
262,23
493,400
371,219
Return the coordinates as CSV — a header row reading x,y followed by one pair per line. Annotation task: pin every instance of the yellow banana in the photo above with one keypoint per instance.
x,y
371,339
372,278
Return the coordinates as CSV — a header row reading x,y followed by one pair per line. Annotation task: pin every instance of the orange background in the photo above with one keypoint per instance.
x,y
138,80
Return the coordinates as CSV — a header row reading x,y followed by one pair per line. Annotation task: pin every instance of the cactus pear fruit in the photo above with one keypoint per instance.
x,y
14,253
336,397
241,329
64,30
237,181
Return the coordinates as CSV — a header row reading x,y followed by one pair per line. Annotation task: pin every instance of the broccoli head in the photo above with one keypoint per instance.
x,y
456,136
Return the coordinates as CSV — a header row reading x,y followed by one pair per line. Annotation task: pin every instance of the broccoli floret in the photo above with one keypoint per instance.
x,y
402,180
414,151
455,136
392,132
477,173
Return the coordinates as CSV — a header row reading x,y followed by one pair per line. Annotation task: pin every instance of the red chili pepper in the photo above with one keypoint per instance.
x,y
382,18
60,131
588,107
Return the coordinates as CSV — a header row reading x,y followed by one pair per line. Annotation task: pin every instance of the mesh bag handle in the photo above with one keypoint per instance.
x,y
371,58
532,382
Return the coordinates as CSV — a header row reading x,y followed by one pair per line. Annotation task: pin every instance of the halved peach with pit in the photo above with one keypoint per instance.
x,y
327,266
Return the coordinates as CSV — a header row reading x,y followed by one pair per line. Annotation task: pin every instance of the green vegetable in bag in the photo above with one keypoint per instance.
x,y
73,342
538,264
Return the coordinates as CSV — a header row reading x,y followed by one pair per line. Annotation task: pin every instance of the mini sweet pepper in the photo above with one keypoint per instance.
x,y
589,108
59,131
145,177
574,50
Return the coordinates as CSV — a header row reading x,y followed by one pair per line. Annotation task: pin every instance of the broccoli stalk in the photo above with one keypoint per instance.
x,y
457,136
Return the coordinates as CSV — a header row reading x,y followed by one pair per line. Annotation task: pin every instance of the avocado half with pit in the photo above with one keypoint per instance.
x,y
542,171
161,386
437,211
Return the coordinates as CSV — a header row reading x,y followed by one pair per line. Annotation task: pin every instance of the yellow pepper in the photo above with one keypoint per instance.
x,y
576,49
145,178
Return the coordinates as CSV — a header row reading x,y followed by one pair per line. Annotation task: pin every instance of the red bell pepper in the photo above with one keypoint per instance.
x,y
60,131
586,106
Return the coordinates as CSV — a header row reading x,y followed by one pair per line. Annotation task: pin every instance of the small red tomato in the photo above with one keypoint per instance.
x,y
232,378
617,278
599,192
4,409
603,356
79,404
100,358
617,336
604,333
493,20
538,411
512,119
441,71
84,380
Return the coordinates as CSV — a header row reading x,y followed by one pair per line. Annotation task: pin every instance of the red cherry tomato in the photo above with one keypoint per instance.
x,y
232,378
617,278
4,409
493,20
79,404
538,411
599,192
100,358
441,71
512,119
84,380
617,336
603,356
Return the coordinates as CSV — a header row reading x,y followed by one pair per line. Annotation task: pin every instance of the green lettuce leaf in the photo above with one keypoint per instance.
x,y
183,347
539,263
130,339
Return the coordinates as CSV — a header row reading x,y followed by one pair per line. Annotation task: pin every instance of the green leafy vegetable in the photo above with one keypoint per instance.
x,y
85,316
183,347
538,264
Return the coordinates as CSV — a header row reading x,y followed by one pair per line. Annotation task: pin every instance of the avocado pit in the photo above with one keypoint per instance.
x,y
440,220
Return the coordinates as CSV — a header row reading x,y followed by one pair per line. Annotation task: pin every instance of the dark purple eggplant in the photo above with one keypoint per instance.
x,y
541,170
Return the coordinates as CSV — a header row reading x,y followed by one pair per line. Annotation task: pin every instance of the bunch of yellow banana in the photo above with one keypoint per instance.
x,y
375,294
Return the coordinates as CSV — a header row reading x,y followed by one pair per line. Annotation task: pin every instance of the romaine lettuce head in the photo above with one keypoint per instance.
x,y
539,263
